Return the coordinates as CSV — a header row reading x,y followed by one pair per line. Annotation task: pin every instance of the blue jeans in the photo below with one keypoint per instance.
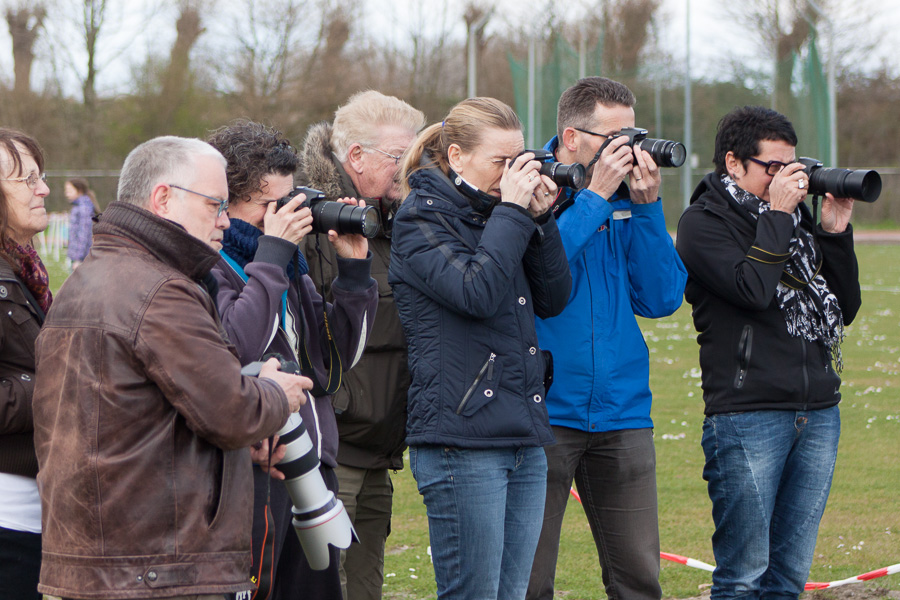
x,y
485,508
769,474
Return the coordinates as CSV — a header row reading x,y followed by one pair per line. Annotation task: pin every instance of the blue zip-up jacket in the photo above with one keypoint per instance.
x,y
623,263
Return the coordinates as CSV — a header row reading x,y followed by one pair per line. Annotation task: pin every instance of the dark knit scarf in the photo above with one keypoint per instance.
x,y
31,271
810,310
241,241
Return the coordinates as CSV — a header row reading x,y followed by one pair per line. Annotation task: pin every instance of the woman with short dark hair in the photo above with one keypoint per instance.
x,y
24,300
771,292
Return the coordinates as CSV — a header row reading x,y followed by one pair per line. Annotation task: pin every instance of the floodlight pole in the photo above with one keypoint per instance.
x,y
688,144
832,85
474,28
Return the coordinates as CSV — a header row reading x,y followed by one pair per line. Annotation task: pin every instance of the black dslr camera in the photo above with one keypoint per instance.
x,y
562,175
862,185
665,153
328,214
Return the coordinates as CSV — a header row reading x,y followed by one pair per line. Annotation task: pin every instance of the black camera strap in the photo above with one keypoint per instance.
x,y
335,367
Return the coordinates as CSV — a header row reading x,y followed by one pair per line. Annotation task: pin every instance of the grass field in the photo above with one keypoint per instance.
x,y
861,528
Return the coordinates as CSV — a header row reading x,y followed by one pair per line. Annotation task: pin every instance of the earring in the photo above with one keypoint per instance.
x,y
458,180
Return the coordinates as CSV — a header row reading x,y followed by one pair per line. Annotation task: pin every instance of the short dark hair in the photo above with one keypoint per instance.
x,y
577,104
253,151
741,131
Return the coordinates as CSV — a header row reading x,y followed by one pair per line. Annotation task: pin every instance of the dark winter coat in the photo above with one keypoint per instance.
x,y
20,323
748,358
468,288
370,407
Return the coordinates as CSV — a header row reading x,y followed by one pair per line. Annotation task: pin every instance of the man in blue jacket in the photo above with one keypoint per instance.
x,y
623,264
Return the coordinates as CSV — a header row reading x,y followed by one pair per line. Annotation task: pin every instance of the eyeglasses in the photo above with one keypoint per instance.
x,y
772,167
223,204
396,158
31,180
603,135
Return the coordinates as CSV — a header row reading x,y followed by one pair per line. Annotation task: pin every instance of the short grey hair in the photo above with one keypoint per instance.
x,y
358,121
166,159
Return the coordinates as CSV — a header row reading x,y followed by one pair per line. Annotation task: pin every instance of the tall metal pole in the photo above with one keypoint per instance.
x,y
474,28
532,124
582,51
688,144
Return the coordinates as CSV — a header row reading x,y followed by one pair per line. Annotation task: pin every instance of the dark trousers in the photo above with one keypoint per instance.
x,y
293,577
615,475
20,564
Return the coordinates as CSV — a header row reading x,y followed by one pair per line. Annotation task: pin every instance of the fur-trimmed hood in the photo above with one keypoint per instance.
x,y
319,165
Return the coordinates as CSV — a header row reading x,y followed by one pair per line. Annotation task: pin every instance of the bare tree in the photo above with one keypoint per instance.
x,y
24,26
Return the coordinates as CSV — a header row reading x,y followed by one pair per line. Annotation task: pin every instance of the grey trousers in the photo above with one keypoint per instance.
x,y
615,475
367,495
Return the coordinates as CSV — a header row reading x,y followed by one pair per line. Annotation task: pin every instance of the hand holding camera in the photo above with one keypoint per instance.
x,y
289,221
294,385
350,245
521,179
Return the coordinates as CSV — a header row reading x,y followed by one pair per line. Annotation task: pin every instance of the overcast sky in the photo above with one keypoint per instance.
x,y
717,40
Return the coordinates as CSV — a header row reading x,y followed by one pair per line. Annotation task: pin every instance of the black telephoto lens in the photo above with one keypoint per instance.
x,y
564,175
344,218
862,184
665,153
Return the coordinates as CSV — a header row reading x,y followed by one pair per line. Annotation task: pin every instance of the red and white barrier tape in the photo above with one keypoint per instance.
x,y
812,585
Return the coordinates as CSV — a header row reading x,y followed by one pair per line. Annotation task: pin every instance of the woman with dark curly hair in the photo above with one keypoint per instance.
x,y
24,300
268,304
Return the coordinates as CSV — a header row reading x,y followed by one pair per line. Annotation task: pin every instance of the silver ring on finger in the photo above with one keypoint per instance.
x,y
801,184
531,178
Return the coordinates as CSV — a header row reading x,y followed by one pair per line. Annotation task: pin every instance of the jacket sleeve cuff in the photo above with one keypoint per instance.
x,y
773,238
521,209
354,273
275,250
652,208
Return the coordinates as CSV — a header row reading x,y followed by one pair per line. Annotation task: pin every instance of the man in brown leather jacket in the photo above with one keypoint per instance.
x,y
142,419
359,156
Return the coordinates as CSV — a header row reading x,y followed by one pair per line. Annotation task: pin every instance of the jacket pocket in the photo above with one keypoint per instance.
x,y
482,390
745,347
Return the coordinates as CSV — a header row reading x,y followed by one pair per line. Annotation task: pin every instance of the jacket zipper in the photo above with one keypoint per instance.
x,y
745,347
487,367
805,374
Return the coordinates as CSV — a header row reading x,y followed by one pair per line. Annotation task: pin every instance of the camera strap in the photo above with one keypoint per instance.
x,y
335,368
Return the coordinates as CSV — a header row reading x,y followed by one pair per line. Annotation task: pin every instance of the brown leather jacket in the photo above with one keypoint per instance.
x,y
20,323
142,421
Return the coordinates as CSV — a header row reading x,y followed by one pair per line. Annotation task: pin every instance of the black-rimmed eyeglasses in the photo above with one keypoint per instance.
x,y
772,167
31,180
223,204
603,135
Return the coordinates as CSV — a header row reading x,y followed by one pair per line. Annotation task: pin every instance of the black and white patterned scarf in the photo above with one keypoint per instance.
x,y
810,309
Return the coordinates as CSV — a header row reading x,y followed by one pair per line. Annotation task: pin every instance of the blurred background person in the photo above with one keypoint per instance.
x,y
771,292
476,255
84,207
358,156
269,304
24,300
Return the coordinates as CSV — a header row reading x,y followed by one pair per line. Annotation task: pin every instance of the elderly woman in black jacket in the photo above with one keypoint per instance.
x,y
476,255
24,300
771,292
